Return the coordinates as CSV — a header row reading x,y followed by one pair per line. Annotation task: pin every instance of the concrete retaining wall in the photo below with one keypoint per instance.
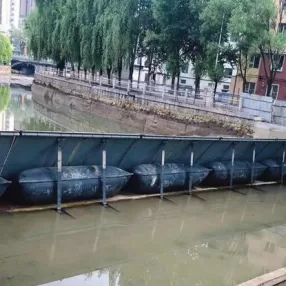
x,y
230,124
270,279
257,105
279,112
264,107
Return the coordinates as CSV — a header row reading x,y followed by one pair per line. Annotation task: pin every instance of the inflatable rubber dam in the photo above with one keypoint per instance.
x,y
54,168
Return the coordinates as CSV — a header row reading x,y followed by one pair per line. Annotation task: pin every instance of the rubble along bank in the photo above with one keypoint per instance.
x,y
165,119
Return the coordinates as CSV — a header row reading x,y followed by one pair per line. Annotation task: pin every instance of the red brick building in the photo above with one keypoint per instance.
x,y
278,90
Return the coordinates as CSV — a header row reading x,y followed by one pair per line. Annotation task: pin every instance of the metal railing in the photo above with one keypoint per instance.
x,y
152,92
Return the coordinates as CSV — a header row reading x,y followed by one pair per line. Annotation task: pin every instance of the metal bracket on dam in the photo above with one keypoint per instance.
x,y
22,151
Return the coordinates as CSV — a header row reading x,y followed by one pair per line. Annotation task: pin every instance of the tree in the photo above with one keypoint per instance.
x,y
174,21
272,44
214,65
5,50
70,34
254,26
18,39
213,37
5,97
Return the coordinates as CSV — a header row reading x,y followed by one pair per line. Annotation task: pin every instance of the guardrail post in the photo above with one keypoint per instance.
x,y
283,163
104,200
232,166
186,94
113,83
253,163
59,177
240,102
162,171
144,91
191,169
128,86
163,93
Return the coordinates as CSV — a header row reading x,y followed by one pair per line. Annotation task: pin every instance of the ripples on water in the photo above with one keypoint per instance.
x,y
225,240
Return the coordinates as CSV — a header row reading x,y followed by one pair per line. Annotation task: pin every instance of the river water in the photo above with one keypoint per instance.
x,y
20,111
225,239
221,238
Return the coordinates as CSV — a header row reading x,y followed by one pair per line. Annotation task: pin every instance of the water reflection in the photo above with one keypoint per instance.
x,y
19,110
149,242
5,97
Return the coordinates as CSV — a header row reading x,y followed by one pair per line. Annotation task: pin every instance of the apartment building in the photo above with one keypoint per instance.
x,y
256,79
9,15
187,77
26,7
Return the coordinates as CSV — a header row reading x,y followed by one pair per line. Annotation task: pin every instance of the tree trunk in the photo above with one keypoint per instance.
x,y
139,72
119,67
243,84
73,69
197,86
131,70
269,87
78,70
100,71
108,70
178,82
215,88
150,60
234,87
85,72
93,72
173,81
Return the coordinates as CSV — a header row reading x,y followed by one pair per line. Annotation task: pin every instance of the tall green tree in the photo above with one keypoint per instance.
x,y
70,34
255,27
174,21
5,50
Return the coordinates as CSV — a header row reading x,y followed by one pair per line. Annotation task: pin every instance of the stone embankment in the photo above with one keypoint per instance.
x,y
150,116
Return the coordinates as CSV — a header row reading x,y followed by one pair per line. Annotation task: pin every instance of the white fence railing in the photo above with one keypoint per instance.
x,y
268,109
160,93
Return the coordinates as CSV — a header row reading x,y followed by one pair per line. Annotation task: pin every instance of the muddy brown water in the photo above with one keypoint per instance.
x,y
225,239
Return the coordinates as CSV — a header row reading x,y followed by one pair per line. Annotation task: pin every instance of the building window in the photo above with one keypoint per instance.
x,y
274,91
183,81
280,63
225,88
228,72
250,87
283,3
254,62
185,68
